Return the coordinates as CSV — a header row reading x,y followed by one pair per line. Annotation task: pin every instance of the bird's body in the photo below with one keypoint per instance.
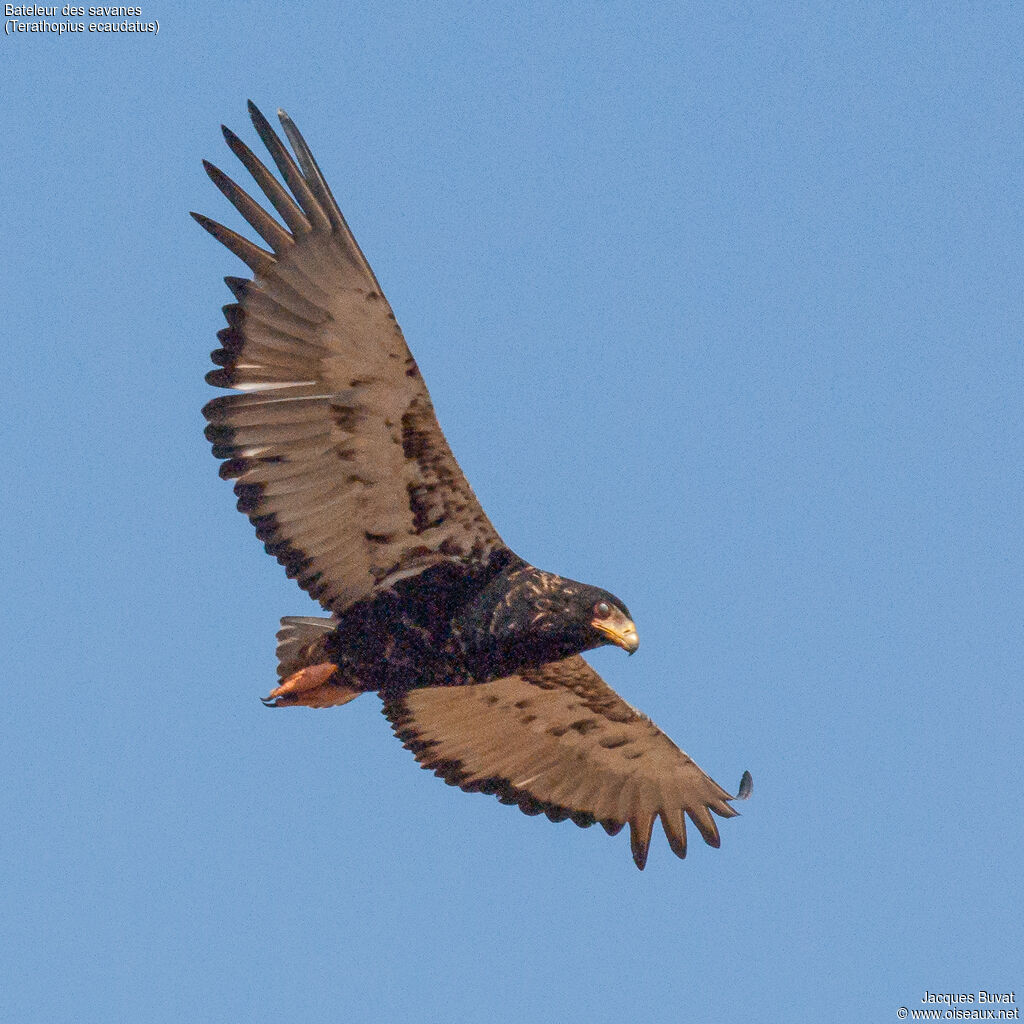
x,y
451,625
343,470
406,635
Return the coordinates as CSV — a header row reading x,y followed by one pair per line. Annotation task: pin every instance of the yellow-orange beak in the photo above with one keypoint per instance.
x,y
619,630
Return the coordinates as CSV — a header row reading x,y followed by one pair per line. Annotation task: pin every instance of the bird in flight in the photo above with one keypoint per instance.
x,y
342,468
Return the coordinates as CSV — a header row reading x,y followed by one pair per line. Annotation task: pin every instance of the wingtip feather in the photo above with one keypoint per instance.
x,y
640,830
674,825
746,787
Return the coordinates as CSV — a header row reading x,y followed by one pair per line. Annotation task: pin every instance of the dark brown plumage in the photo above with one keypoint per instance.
x,y
342,468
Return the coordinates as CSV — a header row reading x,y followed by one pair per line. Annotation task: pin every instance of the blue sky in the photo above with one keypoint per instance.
x,y
720,307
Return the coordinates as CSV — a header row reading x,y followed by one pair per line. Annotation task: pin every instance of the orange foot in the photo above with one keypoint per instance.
x,y
311,687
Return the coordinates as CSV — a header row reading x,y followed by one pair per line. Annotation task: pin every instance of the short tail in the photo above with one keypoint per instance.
x,y
301,643
308,677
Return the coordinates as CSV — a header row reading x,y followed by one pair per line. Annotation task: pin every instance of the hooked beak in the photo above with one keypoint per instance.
x,y
619,630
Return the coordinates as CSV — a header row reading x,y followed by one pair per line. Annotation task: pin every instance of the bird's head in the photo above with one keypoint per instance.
x,y
530,617
584,617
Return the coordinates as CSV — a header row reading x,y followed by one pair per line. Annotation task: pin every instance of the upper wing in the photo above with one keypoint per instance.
x,y
561,741
340,462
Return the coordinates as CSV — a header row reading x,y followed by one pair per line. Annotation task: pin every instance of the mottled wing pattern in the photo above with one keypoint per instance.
x,y
560,741
338,456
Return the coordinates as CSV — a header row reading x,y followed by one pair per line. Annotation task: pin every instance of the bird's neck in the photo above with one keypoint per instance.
x,y
495,632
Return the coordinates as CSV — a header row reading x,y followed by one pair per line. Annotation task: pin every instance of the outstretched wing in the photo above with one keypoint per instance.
x,y
338,456
561,741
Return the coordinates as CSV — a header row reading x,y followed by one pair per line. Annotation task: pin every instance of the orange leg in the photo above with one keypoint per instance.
x,y
311,687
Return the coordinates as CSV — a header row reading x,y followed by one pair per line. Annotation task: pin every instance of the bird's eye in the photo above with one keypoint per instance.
x,y
602,610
